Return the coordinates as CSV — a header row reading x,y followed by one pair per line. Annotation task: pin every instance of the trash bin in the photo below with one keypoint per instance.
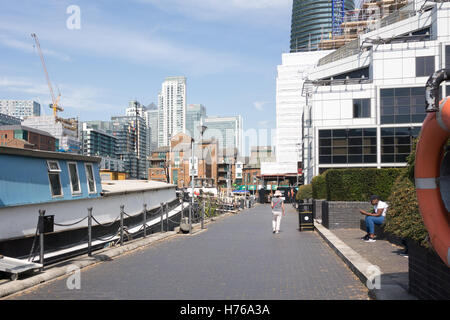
x,y
305,217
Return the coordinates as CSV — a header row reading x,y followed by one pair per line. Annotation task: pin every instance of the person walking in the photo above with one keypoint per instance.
x,y
277,211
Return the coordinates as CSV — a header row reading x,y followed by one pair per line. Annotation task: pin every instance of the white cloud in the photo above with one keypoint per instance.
x,y
30,47
133,46
76,97
259,105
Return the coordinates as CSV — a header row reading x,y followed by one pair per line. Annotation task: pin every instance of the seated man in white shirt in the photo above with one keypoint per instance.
x,y
379,209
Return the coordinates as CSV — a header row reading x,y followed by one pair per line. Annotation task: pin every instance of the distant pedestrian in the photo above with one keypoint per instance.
x,y
377,217
277,210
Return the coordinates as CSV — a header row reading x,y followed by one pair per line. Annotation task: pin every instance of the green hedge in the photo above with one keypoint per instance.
x,y
359,184
319,187
354,184
304,192
403,217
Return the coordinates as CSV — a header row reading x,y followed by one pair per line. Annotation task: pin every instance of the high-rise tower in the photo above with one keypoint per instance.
x,y
316,20
171,109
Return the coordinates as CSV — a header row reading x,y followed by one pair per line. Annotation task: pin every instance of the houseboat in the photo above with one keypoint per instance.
x,y
65,186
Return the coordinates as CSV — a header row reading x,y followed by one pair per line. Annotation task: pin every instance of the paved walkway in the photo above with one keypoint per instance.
x,y
235,258
381,253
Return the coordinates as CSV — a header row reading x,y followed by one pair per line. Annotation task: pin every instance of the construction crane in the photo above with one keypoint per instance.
x,y
55,101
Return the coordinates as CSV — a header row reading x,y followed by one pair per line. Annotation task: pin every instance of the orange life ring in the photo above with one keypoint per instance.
x,y
433,204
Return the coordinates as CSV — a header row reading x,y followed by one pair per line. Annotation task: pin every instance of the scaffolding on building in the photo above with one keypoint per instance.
x,y
347,25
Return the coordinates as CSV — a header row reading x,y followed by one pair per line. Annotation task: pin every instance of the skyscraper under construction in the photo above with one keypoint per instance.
x,y
316,20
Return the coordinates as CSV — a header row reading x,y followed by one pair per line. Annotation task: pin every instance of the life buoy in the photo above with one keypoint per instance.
x,y
432,180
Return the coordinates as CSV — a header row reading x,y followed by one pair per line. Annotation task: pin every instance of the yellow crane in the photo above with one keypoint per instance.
x,y
55,101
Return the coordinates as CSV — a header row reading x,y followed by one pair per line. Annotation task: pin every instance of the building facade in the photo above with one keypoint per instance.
x,y
8,120
289,110
365,106
313,21
180,161
151,118
171,109
101,144
19,136
131,144
159,165
228,131
20,108
195,116
67,134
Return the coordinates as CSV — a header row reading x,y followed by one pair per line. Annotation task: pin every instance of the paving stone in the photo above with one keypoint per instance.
x,y
236,258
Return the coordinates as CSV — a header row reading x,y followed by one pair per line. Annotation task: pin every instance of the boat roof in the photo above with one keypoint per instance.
x,y
110,187
47,154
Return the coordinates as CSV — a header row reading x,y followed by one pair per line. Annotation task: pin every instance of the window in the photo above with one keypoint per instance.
x,y
90,177
403,105
396,143
348,146
74,180
53,175
361,108
424,66
447,57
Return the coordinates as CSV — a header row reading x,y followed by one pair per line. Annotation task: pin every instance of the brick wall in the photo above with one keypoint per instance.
x,y
342,214
317,208
429,277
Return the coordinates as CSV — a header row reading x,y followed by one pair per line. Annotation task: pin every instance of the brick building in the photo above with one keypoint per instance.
x,y
158,164
205,160
18,136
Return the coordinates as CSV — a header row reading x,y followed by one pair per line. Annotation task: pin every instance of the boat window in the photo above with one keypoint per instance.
x,y
90,177
53,166
53,175
74,180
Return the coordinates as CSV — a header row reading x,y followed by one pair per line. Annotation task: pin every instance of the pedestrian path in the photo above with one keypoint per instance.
x,y
381,253
235,258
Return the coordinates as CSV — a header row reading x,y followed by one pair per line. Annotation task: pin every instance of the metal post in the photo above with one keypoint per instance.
x,y
167,216
182,210
162,217
144,219
203,213
41,238
121,224
192,186
90,231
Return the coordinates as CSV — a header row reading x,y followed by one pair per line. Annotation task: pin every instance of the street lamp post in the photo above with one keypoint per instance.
x,y
192,185
202,129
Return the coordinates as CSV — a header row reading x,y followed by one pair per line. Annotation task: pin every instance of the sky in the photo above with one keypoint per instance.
x,y
115,51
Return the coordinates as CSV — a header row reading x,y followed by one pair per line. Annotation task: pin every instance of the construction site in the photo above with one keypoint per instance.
x,y
64,130
347,25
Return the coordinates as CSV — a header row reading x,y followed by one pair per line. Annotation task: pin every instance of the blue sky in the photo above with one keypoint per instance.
x,y
227,49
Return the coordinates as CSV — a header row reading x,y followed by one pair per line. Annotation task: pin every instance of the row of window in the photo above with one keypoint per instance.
x,y
397,105
360,145
54,172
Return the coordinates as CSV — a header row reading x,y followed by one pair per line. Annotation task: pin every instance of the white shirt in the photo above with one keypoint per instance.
x,y
381,205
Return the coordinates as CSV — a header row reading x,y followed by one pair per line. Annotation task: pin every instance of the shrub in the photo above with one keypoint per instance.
x,y
403,218
304,192
360,183
319,187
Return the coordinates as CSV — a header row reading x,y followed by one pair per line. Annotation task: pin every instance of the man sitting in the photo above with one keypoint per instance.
x,y
377,217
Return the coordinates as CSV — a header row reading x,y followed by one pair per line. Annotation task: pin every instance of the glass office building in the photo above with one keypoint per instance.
x,y
314,20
